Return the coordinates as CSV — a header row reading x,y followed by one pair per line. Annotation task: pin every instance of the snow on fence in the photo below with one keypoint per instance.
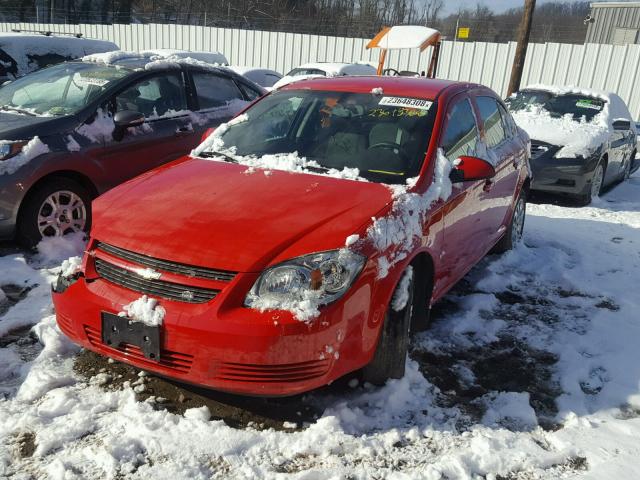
x,y
605,67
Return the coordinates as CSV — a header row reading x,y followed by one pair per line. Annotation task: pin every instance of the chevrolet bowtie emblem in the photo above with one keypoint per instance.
x,y
147,273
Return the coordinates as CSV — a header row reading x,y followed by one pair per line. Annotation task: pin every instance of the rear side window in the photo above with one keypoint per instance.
x,y
461,134
493,127
215,91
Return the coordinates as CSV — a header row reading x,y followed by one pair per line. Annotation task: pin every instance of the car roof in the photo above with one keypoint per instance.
x,y
419,87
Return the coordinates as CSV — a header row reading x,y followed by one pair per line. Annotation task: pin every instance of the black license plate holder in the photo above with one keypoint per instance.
x,y
117,330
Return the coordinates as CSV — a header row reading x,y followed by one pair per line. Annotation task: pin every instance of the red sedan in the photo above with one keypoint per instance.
x,y
305,239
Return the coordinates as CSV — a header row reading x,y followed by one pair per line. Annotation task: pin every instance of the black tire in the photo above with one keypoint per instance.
x,y
393,343
586,198
627,168
513,235
28,231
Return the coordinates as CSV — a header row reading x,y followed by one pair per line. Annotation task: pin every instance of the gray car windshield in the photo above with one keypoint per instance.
x,y
578,106
63,89
384,137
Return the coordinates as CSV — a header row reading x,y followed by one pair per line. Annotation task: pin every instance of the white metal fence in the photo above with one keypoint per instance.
x,y
605,67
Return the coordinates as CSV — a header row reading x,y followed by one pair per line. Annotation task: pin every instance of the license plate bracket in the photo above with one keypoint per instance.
x,y
117,330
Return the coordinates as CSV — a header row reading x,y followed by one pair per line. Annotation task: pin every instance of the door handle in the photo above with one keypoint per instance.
x,y
186,130
488,184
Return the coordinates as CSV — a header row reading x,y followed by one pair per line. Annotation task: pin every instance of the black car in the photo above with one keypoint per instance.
x,y
74,130
581,140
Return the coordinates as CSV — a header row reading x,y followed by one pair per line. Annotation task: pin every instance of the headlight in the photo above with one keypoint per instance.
x,y
10,149
320,278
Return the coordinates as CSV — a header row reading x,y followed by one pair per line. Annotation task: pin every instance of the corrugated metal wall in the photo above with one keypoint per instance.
x,y
605,19
605,67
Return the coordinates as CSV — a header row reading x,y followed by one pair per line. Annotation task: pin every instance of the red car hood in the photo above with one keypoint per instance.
x,y
216,215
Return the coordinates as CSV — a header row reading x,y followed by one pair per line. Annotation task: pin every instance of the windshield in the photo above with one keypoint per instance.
x,y
578,106
63,89
385,138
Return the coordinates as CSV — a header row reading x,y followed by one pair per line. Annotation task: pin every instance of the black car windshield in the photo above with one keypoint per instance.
x,y
63,89
578,106
384,137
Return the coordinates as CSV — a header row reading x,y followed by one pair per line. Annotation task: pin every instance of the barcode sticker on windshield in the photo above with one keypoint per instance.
x,y
588,104
406,102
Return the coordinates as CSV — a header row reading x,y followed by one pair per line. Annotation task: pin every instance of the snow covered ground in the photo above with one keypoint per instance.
x,y
531,369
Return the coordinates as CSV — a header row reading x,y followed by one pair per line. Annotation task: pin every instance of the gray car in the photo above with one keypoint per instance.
x,y
581,140
74,130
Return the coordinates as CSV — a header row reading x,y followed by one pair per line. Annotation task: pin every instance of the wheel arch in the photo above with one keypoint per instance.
x,y
68,174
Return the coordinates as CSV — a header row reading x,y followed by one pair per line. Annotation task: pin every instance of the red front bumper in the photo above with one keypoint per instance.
x,y
222,345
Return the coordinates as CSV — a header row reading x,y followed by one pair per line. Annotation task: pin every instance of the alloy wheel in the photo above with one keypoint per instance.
x,y
61,213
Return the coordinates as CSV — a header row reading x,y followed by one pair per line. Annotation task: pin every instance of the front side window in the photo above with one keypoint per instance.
x,y
63,89
154,97
215,91
493,127
385,138
461,133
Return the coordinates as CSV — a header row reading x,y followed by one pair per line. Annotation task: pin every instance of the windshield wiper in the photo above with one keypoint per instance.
x,y
16,109
227,158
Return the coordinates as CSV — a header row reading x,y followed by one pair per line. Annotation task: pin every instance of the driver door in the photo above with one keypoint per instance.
x,y
464,222
166,134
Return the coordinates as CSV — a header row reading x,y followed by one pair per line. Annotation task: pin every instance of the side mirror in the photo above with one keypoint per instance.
x,y
621,124
468,169
128,118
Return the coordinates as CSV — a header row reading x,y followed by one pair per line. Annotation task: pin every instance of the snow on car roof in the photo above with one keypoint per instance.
x,y
22,47
151,59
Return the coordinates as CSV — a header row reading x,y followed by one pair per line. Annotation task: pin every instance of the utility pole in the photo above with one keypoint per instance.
x,y
521,48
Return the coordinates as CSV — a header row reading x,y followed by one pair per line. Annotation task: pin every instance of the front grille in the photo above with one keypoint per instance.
x,y
178,362
288,372
167,266
158,288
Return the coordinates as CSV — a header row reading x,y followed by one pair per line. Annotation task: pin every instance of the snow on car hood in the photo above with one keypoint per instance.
x,y
577,138
218,215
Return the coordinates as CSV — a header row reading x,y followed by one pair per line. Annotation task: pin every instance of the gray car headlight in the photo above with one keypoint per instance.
x,y
10,149
323,276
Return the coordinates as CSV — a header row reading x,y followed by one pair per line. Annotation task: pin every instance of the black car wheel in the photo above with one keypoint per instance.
x,y
515,229
59,207
627,167
597,180
393,343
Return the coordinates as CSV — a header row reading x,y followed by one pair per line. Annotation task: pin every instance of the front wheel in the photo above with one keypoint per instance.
x,y
597,180
515,229
59,207
393,344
